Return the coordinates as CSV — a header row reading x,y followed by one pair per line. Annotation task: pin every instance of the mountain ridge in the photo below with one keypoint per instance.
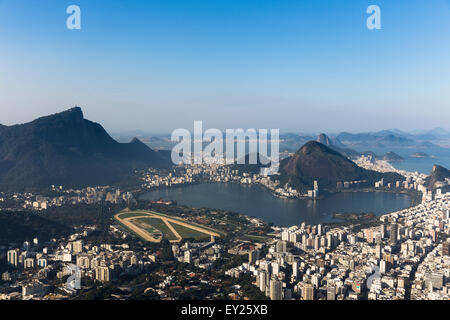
x,y
438,175
67,149
315,161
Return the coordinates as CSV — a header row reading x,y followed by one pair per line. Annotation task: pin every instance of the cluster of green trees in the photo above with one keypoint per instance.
x,y
17,227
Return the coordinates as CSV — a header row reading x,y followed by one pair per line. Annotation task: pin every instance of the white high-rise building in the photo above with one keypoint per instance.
x,y
103,274
188,256
316,185
77,246
276,290
275,268
262,281
295,269
383,267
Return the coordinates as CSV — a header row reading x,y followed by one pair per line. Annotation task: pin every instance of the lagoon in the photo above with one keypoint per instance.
x,y
257,201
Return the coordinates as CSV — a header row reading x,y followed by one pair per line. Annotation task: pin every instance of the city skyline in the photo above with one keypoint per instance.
x,y
299,67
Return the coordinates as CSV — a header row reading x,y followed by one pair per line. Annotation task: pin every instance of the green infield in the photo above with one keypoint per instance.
x,y
189,233
156,223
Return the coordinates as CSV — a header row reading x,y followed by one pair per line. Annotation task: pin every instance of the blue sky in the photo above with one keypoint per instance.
x,y
301,66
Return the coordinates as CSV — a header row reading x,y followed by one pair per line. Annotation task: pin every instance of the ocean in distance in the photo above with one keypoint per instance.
x,y
256,201
422,165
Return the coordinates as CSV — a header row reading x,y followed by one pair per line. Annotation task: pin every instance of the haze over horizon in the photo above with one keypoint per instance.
x,y
128,131
160,65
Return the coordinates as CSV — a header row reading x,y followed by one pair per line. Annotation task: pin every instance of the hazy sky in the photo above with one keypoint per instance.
x,y
295,65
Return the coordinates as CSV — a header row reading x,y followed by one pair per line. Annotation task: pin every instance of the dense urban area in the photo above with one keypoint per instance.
x,y
84,253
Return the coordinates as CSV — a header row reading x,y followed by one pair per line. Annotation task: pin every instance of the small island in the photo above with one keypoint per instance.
x,y
392,157
421,155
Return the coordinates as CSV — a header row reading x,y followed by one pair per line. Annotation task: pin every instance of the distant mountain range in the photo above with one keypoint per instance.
x,y
338,146
66,149
316,161
379,139
434,142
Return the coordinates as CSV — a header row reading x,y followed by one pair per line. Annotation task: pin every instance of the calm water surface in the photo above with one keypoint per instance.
x,y
421,165
259,202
